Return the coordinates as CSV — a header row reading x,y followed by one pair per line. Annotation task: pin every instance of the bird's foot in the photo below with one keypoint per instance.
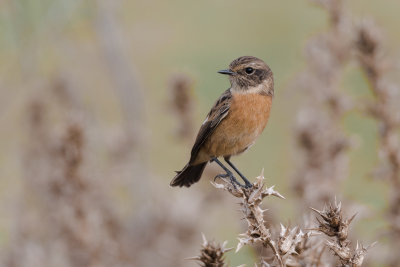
x,y
221,176
233,180
247,185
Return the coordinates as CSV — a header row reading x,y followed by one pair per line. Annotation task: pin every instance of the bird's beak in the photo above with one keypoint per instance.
x,y
228,72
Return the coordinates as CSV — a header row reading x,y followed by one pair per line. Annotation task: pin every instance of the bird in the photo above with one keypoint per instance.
x,y
233,124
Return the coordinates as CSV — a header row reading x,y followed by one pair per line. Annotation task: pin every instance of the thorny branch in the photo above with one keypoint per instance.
x,y
293,246
251,199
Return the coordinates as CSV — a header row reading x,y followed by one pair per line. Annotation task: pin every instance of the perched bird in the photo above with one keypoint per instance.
x,y
235,121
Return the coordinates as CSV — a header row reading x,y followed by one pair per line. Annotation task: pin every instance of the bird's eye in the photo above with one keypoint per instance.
x,y
249,70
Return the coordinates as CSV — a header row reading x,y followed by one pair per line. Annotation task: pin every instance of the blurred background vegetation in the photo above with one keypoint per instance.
x,y
95,47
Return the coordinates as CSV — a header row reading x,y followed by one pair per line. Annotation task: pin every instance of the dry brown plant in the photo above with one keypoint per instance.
x,y
212,254
182,105
332,224
67,213
293,246
257,232
64,217
323,161
385,109
323,144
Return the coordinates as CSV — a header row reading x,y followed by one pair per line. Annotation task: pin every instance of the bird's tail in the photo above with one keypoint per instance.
x,y
188,175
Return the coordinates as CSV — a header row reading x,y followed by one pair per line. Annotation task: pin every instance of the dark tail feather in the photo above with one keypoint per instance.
x,y
188,175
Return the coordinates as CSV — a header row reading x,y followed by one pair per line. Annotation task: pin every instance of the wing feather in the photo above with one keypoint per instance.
x,y
217,113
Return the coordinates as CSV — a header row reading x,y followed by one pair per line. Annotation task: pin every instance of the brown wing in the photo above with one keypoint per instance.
x,y
217,113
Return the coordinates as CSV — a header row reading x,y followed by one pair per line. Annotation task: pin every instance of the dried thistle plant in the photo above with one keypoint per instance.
x,y
212,254
332,224
323,145
287,245
322,142
182,103
293,246
385,109
67,214
64,218
251,199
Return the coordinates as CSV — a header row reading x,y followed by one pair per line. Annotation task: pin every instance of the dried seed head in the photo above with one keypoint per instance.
x,y
182,103
332,223
369,37
212,254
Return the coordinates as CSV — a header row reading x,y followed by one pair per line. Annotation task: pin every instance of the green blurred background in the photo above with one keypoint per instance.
x,y
46,38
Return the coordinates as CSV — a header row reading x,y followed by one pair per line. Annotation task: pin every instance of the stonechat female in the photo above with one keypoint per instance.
x,y
235,121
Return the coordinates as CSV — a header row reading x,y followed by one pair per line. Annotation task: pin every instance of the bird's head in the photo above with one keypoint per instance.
x,y
250,74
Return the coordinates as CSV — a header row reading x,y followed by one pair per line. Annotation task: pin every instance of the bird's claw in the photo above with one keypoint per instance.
x,y
221,176
248,185
233,180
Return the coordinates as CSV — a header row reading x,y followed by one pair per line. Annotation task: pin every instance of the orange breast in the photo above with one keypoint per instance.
x,y
247,118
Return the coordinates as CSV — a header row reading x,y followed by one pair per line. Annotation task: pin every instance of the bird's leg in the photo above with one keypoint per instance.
x,y
227,174
248,184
